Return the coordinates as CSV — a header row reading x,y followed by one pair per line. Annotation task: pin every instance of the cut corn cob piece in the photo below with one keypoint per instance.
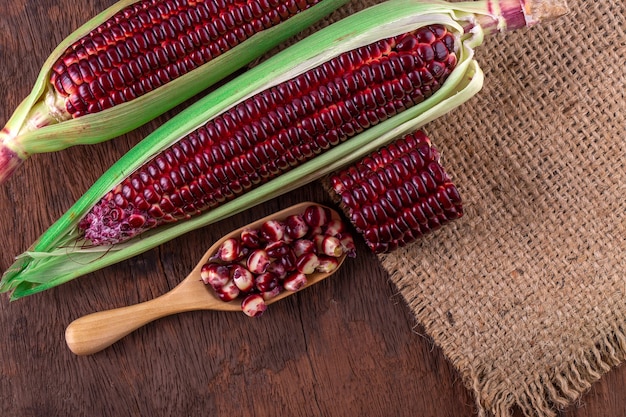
x,y
397,194
62,253
138,59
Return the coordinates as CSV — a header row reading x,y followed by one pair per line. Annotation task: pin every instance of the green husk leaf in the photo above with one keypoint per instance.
x,y
61,255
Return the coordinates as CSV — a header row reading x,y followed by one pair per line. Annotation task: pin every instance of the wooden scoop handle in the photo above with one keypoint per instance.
x,y
94,332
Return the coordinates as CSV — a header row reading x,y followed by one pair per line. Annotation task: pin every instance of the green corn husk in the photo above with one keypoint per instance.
x,y
19,140
61,254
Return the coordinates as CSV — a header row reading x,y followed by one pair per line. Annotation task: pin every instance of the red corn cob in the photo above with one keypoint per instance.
x,y
397,194
152,42
275,130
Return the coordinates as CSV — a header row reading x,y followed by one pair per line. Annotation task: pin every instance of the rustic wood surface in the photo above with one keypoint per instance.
x,y
345,347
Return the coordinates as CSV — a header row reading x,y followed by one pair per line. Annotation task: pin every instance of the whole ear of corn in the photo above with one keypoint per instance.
x,y
62,253
140,58
275,130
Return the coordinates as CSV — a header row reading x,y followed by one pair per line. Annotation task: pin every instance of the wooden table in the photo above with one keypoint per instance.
x,y
345,347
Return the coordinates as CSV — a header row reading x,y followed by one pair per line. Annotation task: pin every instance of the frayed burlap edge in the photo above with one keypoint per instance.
x,y
544,395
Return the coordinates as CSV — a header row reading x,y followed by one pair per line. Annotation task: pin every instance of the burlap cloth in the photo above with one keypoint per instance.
x,y
526,294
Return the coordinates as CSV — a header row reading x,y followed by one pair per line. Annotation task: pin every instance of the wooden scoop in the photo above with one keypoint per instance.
x,y
94,332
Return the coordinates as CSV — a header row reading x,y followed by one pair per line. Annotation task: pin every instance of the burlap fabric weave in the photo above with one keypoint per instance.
x,y
526,294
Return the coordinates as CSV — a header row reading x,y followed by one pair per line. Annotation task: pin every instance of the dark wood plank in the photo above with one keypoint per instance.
x,y
345,347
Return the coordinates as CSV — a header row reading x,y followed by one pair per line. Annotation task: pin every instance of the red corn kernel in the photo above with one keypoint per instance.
x,y
273,230
332,246
317,242
288,261
327,264
253,305
215,275
296,227
229,250
228,292
334,227
258,261
316,216
295,281
243,278
307,263
302,246
250,238
277,249
266,281
278,268
268,295
347,243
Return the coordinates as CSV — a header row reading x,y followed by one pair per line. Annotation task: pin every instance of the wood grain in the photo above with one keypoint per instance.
x,y
345,347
